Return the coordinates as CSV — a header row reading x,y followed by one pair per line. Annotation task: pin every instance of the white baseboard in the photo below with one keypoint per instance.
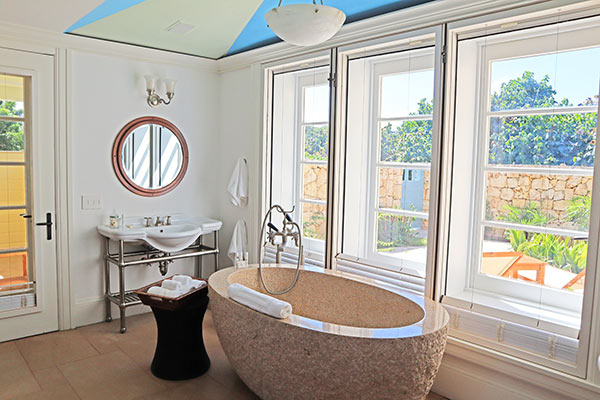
x,y
92,311
466,374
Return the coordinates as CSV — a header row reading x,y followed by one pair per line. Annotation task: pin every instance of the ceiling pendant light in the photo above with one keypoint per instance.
x,y
305,24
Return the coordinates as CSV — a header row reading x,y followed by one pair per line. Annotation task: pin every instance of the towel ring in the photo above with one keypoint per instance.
x,y
261,247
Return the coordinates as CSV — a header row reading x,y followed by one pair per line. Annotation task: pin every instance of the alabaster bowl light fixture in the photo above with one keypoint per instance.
x,y
305,24
154,100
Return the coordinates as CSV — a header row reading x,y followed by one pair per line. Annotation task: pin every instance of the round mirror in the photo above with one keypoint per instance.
x,y
150,156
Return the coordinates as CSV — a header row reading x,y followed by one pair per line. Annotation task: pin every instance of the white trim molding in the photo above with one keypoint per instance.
x,y
471,372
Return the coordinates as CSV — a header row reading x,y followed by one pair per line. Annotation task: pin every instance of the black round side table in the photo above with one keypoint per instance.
x,y
180,352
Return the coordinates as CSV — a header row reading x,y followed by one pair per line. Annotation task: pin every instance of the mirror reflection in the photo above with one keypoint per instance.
x,y
152,156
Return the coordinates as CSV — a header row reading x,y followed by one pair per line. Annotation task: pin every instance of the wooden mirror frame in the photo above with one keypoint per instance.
x,y
117,160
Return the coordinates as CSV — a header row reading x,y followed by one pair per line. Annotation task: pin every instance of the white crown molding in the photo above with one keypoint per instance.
x,y
417,17
19,37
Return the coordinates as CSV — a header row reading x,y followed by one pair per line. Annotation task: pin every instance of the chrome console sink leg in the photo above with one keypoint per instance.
x,y
107,280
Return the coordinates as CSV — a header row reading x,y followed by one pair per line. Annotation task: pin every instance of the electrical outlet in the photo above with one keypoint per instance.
x,y
91,202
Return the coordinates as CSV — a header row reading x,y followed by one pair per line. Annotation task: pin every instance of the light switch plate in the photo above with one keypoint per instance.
x,y
91,202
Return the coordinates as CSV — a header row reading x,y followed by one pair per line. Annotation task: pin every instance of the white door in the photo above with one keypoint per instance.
x,y
28,284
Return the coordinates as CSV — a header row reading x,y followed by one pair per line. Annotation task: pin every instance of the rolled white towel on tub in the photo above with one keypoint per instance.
x,y
259,301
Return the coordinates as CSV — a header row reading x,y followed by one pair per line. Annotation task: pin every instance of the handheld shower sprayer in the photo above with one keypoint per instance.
x,y
278,238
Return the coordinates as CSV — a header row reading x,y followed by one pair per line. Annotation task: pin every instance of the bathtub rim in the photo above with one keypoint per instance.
x,y
435,316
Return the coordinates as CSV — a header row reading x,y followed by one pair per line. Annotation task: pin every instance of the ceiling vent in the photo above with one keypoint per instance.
x,y
180,28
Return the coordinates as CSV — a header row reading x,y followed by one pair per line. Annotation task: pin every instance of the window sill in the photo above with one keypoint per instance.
x,y
560,321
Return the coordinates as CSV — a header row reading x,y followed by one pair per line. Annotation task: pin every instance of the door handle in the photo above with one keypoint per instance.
x,y
48,225
25,215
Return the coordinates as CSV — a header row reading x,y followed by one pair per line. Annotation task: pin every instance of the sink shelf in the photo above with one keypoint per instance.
x,y
129,297
123,259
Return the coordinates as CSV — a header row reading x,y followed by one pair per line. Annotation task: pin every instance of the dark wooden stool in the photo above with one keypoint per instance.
x,y
180,352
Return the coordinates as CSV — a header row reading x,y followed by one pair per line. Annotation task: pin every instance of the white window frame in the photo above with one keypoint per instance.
x,y
412,40
489,25
380,69
304,81
566,303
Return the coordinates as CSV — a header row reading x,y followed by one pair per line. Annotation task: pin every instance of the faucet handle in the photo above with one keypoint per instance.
x,y
168,220
148,222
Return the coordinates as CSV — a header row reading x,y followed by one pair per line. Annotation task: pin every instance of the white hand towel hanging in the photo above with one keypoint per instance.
x,y
238,184
238,248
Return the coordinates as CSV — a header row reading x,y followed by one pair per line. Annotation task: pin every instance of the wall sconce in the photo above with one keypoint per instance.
x,y
154,99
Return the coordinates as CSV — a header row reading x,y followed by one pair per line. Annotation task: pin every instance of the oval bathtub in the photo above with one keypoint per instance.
x,y
345,338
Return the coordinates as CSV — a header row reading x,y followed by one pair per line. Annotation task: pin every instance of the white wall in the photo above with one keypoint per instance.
x,y
239,138
104,93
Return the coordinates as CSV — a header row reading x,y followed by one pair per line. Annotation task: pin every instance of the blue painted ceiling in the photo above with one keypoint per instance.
x,y
253,31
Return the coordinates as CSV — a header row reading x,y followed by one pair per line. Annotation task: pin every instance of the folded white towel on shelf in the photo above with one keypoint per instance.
x,y
259,301
238,248
176,286
171,284
238,184
185,280
161,291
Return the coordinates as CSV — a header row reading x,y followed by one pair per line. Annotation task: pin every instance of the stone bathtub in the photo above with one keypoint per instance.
x,y
345,338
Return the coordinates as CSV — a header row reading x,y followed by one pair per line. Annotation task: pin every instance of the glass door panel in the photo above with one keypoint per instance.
x,y
16,277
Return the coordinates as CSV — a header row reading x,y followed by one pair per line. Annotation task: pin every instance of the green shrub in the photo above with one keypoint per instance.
x,y
398,230
579,212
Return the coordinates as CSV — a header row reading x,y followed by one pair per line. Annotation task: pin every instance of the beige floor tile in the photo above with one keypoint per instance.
x,y
49,377
49,350
16,378
59,392
97,362
203,387
435,396
110,376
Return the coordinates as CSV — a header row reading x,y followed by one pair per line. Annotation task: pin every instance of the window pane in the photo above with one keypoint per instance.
x,y
316,142
568,78
557,201
402,237
406,94
12,185
13,230
12,95
313,220
315,182
406,189
12,141
545,259
558,139
406,141
316,103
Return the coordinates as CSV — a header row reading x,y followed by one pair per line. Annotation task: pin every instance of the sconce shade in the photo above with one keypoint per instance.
x,y
150,82
170,84
305,24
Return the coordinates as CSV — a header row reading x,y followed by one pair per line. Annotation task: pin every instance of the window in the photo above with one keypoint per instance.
x,y
523,171
389,129
16,269
498,204
299,152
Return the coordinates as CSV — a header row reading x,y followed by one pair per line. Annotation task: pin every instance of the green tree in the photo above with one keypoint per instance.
x,y
555,139
11,133
316,142
411,140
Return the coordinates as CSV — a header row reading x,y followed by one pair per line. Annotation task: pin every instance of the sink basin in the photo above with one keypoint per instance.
x,y
168,238
172,238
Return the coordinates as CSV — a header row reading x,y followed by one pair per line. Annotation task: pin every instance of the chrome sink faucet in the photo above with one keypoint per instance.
x,y
158,221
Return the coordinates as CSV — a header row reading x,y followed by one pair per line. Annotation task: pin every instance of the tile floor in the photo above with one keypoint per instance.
x,y
97,362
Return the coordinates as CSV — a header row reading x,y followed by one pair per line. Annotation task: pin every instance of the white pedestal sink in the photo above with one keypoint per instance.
x,y
182,232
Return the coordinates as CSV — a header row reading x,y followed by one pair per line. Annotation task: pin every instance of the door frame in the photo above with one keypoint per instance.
x,y
38,113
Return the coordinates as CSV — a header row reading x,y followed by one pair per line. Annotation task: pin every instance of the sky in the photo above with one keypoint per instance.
x,y
574,75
